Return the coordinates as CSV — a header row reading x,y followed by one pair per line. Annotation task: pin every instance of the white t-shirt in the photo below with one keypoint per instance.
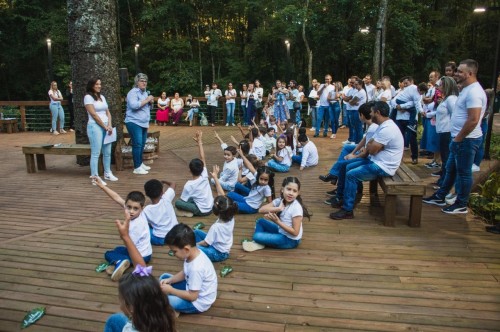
x,y
312,95
299,96
323,99
220,235
370,132
212,97
361,94
291,210
443,114
258,148
230,93
229,174
309,155
370,91
251,177
161,216
100,108
472,96
351,92
243,96
286,154
139,234
164,102
200,276
269,142
389,158
199,190
57,95
257,195
387,94
259,92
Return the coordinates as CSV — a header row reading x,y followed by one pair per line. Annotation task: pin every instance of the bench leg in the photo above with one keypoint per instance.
x,y
390,210
415,211
30,163
373,192
40,162
9,128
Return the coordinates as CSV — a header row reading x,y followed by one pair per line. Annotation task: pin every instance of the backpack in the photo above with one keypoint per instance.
x,y
203,119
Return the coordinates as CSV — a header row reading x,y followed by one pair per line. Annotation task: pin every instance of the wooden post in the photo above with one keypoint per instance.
x,y
22,110
390,210
415,211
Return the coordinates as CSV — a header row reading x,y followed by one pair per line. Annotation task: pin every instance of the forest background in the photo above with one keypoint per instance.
x,y
187,44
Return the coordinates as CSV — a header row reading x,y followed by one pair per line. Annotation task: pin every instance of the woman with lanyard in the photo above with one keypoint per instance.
x,y
138,114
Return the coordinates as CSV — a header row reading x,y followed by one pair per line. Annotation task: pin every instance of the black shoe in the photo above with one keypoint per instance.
x,y
434,199
437,174
329,200
341,214
332,192
329,177
315,135
493,229
325,134
414,161
336,203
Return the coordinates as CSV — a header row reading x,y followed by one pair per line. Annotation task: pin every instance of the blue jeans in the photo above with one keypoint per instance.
x,y
115,323
355,126
410,135
155,240
367,172
480,152
345,116
244,115
96,136
180,305
298,116
243,207
444,149
322,115
230,113
345,167
138,135
191,113
314,113
242,189
334,114
458,169
57,111
346,149
213,254
266,233
120,253
297,159
277,167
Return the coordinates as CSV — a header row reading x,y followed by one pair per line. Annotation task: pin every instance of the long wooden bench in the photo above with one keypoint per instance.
x,y
38,152
404,183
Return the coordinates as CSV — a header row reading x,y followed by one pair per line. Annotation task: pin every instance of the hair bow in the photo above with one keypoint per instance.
x,y
142,271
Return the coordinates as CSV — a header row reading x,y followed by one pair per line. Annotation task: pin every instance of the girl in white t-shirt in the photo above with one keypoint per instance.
x,y
282,159
217,243
282,227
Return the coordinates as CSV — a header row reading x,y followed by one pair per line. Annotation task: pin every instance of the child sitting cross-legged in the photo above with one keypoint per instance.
x,y
282,159
194,288
138,231
229,175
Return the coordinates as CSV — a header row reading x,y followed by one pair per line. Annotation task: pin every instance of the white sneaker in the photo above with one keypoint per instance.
x,y
475,168
55,132
252,246
120,268
346,142
63,131
227,124
145,167
312,129
182,213
94,181
110,177
232,124
450,199
140,171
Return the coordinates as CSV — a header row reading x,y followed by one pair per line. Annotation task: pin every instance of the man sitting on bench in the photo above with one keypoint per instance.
x,y
385,150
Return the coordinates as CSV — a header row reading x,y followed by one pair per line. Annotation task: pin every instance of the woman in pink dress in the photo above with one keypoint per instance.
x,y
162,114
177,105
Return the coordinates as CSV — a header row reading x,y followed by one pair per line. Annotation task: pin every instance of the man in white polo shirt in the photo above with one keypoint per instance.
x,y
324,105
466,137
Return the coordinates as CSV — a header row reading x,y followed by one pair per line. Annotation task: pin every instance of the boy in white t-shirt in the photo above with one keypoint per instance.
x,y
196,198
160,213
194,288
119,258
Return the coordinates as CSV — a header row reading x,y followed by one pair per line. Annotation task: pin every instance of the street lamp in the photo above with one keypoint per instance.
x,y
136,58
493,84
381,52
364,30
49,58
287,43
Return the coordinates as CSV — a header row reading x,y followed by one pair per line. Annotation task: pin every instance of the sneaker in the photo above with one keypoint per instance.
x,y
434,199
436,187
110,269
414,161
346,142
63,131
71,130
495,229
145,167
455,209
227,124
412,128
332,192
312,129
341,214
342,127
475,168
333,136
437,174
232,124
325,134
336,203
329,200
121,266
93,179
316,135
329,178
182,213
252,246
55,132
110,177
406,148
432,164
140,171
450,199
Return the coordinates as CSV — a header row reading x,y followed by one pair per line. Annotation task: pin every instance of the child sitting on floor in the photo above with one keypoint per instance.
x,y
229,175
194,288
282,159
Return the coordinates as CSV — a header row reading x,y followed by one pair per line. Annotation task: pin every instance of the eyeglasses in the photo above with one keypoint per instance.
x,y
143,81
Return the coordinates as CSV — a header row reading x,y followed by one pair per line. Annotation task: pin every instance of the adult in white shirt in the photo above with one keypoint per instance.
x,y
345,114
385,149
56,109
369,87
212,103
359,97
466,137
243,96
324,105
230,94
312,98
386,94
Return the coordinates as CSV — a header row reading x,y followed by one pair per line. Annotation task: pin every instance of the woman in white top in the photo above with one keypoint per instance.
x,y
386,94
98,126
163,109
243,96
56,109
258,90
177,105
230,104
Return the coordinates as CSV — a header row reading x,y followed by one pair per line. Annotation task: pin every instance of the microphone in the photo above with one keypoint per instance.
x,y
151,102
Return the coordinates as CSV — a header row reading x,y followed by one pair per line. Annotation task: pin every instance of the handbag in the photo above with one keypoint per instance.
x,y
258,104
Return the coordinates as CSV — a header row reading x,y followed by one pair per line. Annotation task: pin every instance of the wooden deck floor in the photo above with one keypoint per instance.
x,y
345,276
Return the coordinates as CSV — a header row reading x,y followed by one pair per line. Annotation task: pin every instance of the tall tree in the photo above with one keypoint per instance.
x,y
378,54
93,54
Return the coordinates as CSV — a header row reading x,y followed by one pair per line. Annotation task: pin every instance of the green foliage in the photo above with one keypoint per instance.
x,y
486,203
495,146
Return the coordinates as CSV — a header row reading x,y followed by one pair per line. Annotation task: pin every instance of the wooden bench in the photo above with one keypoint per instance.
x,y
38,152
10,125
404,183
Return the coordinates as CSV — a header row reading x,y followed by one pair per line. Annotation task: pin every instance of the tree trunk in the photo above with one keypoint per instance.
x,y
93,54
199,55
308,49
378,54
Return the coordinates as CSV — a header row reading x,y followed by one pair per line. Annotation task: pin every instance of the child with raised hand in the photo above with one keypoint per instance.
x,y
256,146
217,243
250,200
229,175
196,198
160,213
282,226
309,156
282,159
138,231
200,292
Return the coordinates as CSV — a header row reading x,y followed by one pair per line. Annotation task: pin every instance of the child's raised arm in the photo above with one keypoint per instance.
x,y
170,184
199,139
218,137
123,229
113,195
234,140
247,162
215,176
241,130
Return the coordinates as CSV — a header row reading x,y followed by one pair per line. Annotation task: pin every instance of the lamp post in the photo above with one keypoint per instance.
x,y
136,58
364,31
494,82
287,43
380,52
49,58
